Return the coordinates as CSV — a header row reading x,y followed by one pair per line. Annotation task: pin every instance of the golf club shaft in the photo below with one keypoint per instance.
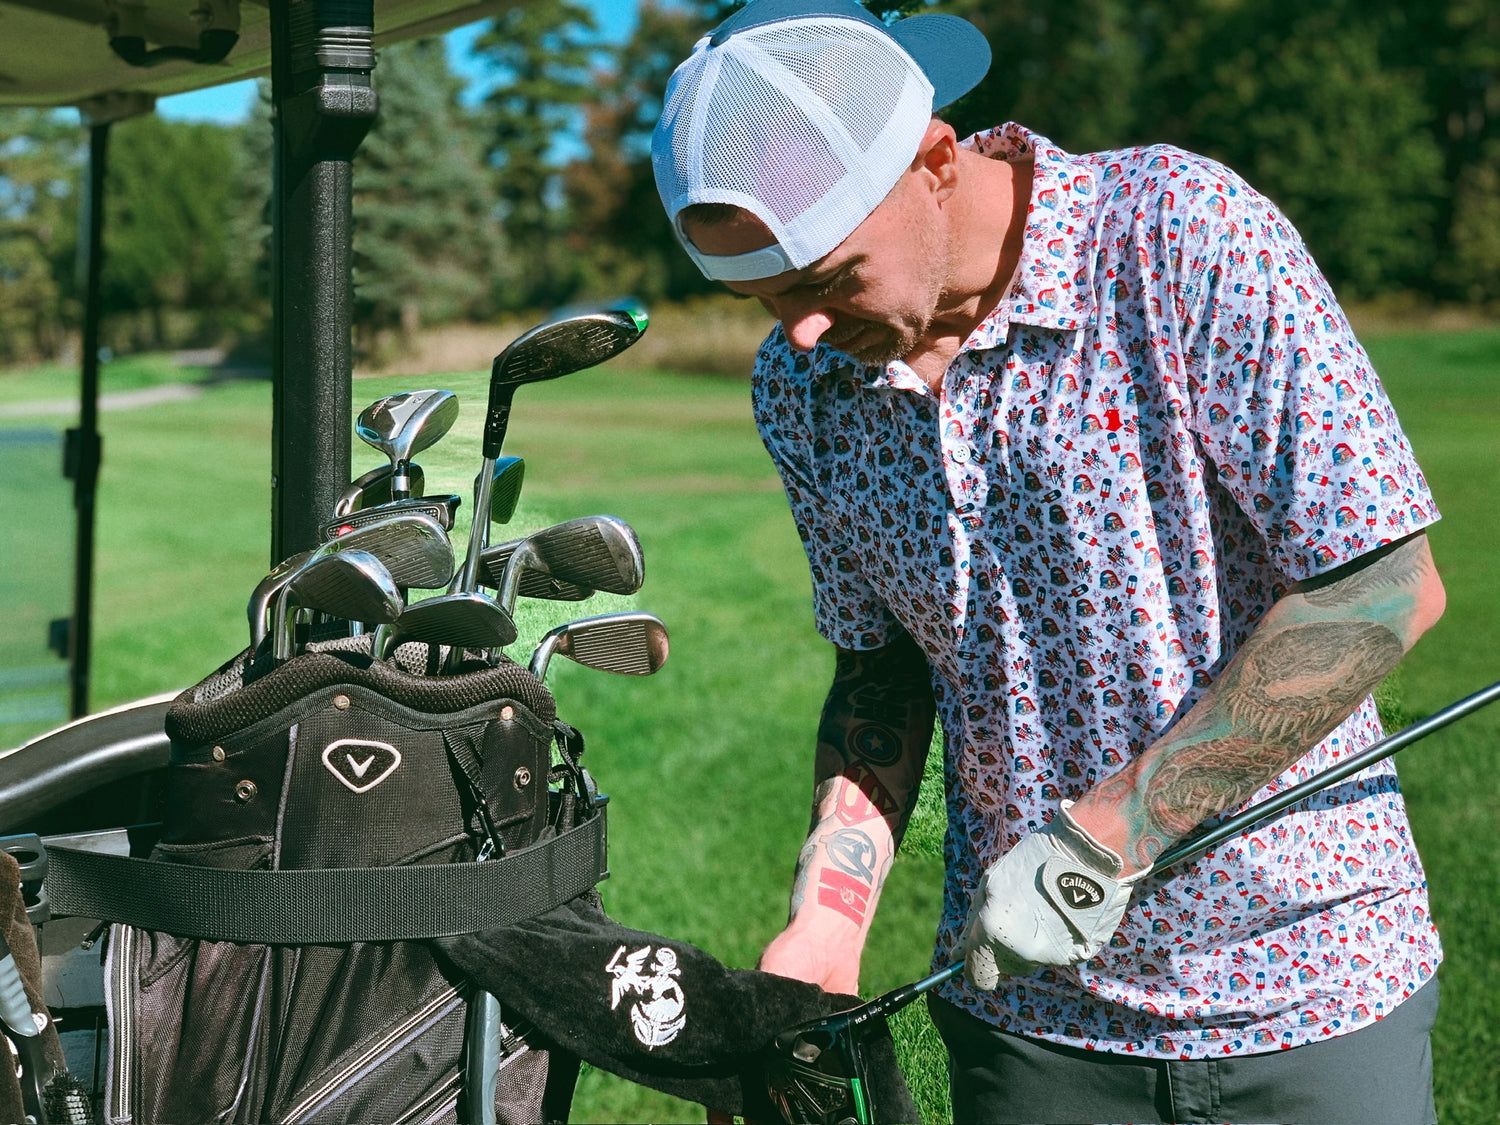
x,y
467,579
1195,846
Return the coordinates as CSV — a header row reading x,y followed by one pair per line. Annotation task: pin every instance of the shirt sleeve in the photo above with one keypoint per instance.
x,y
1284,400
847,609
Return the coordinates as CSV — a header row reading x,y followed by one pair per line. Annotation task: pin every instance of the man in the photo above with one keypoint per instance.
x,y
1088,464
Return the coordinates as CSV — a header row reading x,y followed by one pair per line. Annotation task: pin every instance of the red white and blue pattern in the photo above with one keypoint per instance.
x,y
1165,424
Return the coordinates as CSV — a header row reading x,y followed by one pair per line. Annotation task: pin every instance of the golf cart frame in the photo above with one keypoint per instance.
x,y
320,55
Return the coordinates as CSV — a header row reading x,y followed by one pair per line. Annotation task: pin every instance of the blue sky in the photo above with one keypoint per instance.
x,y
231,102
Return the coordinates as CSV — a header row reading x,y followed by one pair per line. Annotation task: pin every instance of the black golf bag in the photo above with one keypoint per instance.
x,y
322,819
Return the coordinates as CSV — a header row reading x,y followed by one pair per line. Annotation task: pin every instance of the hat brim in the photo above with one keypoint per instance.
x,y
952,52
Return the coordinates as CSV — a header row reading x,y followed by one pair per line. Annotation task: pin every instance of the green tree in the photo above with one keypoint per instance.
x,y
619,228
542,53
427,241
169,208
41,158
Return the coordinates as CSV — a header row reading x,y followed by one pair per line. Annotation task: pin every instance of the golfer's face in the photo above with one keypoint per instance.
x,y
868,297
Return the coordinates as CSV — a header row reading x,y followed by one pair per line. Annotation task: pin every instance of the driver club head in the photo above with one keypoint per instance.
x,y
404,424
627,644
352,584
572,339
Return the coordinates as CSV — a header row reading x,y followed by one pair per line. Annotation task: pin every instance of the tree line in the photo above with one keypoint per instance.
x,y
1374,123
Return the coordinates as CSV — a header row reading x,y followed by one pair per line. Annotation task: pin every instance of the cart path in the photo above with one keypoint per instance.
x,y
114,400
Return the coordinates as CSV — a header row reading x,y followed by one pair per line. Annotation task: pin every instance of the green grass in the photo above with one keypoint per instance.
x,y
709,762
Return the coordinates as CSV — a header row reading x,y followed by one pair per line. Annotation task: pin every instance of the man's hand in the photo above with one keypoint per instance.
x,y
1053,899
830,961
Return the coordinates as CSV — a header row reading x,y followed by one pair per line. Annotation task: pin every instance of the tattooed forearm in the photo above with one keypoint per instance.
x,y
1304,669
874,732
872,745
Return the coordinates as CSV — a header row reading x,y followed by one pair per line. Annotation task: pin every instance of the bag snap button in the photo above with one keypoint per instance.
x,y
523,777
246,791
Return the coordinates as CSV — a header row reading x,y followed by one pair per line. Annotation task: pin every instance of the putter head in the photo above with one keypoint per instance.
x,y
352,584
412,546
568,341
627,644
458,620
441,509
404,424
535,584
372,489
505,488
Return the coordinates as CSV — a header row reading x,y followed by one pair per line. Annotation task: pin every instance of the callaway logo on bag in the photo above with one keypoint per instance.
x,y
361,764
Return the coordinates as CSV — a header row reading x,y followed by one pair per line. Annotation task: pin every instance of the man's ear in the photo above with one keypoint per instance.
x,y
937,156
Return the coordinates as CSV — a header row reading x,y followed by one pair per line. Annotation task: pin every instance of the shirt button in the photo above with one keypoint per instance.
x,y
961,454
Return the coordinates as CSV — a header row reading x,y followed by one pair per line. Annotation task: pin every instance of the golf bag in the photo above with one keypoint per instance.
x,y
322,821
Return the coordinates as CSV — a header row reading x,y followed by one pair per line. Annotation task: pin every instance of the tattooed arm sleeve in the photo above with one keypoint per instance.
x,y
1317,653
872,745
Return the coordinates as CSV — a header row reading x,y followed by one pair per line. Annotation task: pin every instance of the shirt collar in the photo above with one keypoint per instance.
x,y
1052,286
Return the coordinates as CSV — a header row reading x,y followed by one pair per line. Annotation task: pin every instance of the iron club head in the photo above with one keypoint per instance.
x,y
598,552
351,584
461,620
568,341
628,644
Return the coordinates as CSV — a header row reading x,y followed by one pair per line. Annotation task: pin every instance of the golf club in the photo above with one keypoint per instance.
x,y
412,546
351,584
534,583
404,424
372,489
570,341
816,1072
462,620
628,644
505,488
441,509
599,552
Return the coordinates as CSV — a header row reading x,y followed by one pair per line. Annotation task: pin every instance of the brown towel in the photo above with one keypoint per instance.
x,y
22,941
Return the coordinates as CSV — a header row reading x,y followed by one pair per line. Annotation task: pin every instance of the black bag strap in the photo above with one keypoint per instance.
x,y
329,906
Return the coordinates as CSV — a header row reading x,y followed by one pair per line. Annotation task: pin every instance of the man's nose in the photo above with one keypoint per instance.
x,y
804,326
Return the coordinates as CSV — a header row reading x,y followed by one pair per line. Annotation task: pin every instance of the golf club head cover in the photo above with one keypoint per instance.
x,y
658,1012
1053,899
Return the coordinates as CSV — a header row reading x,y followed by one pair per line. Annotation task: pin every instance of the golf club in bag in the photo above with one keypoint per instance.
x,y
819,1073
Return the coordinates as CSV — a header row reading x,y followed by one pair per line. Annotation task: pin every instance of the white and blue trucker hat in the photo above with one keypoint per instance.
x,y
804,113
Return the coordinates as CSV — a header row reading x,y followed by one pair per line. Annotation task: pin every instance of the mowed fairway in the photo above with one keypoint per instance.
x,y
708,764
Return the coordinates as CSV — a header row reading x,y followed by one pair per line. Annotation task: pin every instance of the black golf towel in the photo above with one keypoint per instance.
x,y
656,1011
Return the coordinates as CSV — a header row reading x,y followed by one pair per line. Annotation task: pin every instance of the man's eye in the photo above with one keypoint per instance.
x,y
829,287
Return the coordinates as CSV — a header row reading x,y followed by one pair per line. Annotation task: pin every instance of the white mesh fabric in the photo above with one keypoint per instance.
x,y
806,124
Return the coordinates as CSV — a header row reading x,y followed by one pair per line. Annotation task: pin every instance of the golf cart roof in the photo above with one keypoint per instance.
x,y
57,52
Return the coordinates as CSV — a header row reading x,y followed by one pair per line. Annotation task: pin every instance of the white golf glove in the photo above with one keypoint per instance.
x,y
1053,899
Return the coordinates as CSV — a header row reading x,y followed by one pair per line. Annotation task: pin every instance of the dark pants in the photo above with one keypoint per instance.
x,y
1379,1074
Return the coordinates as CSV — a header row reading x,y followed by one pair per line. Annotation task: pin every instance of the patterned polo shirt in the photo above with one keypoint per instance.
x,y
1164,425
